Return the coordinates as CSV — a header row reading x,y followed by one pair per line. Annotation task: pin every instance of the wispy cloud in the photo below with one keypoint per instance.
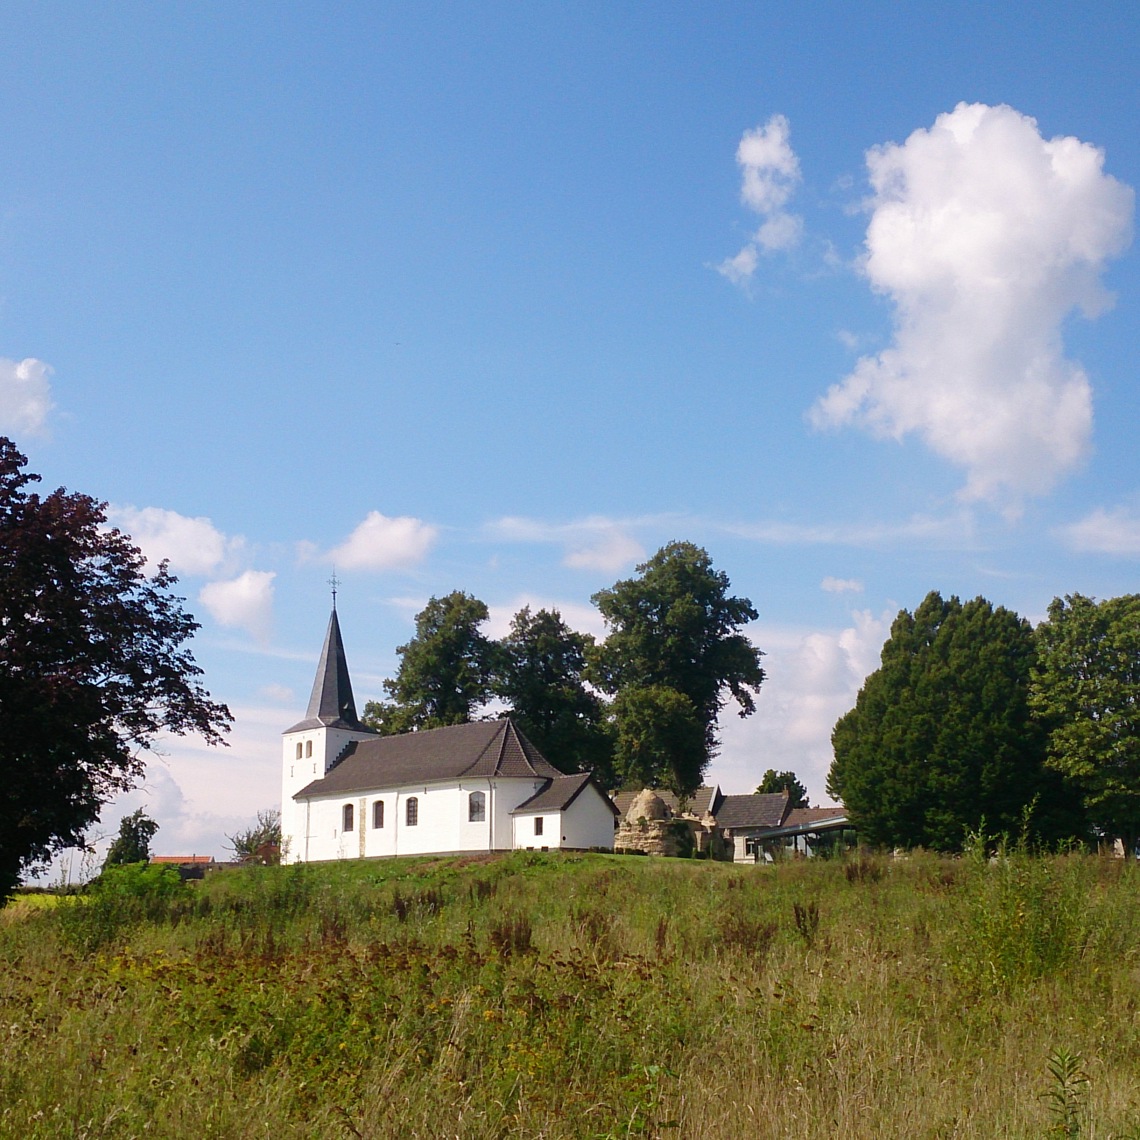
x,y
956,529
594,543
985,236
1115,531
841,585
770,172
25,396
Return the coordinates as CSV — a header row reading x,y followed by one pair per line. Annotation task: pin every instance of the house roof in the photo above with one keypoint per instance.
x,y
331,704
803,817
480,749
559,794
704,800
768,810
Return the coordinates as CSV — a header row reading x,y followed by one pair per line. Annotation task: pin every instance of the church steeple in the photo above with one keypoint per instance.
x,y
331,699
331,704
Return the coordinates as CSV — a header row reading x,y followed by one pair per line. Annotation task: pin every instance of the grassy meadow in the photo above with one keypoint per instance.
x,y
546,995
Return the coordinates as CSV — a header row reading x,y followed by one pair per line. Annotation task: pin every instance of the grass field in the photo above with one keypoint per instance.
x,y
581,996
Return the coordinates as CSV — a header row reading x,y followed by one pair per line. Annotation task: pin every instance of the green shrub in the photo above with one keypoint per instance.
x,y
1026,917
120,898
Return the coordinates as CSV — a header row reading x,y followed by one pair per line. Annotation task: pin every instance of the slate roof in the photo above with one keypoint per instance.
x,y
704,799
767,810
559,794
483,748
331,704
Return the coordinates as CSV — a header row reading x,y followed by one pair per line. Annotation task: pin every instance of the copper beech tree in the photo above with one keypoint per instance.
x,y
93,666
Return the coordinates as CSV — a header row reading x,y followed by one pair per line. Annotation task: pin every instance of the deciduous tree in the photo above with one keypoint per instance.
x,y
674,629
132,844
1086,688
260,843
540,676
446,670
93,665
942,739
659,741
773,781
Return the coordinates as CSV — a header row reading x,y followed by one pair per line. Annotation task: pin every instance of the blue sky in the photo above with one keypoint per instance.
x,y
503,297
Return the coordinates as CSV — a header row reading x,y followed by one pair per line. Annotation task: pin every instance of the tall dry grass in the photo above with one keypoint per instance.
x,y
583,996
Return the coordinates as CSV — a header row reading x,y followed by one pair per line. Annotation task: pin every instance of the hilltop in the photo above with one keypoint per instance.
x,y
580,996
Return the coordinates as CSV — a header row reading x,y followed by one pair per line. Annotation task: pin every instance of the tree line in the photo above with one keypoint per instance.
x,y
977,722
640,707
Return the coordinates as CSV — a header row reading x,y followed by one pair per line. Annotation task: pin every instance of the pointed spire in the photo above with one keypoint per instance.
x,y
332,690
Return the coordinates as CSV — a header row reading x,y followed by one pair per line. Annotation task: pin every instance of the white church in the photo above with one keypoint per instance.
x,y
349,793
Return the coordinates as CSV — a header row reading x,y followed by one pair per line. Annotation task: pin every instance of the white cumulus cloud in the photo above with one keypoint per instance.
x,y
192,545
985,236
25,396
813,678
608,548
383,543
770,172
245,602
1115,531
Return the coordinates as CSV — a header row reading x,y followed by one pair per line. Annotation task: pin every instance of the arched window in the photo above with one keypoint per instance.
x,y
476,807
298,750
413,811
348,824
308,748
378,814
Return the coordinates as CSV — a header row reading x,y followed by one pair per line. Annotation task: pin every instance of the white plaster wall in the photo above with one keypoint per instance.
x,y
328,743
443,824
588,821
551,830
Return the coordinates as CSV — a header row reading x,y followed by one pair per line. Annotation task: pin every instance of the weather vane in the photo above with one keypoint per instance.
x,y
334,582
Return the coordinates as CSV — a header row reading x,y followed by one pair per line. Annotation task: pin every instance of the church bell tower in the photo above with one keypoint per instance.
x,y
313,745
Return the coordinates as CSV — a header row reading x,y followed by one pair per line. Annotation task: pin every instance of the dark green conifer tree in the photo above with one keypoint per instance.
x,y
942,740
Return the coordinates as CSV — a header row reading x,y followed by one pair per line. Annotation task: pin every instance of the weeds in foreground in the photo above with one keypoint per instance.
x,y
807,920
1067,1096
582,997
